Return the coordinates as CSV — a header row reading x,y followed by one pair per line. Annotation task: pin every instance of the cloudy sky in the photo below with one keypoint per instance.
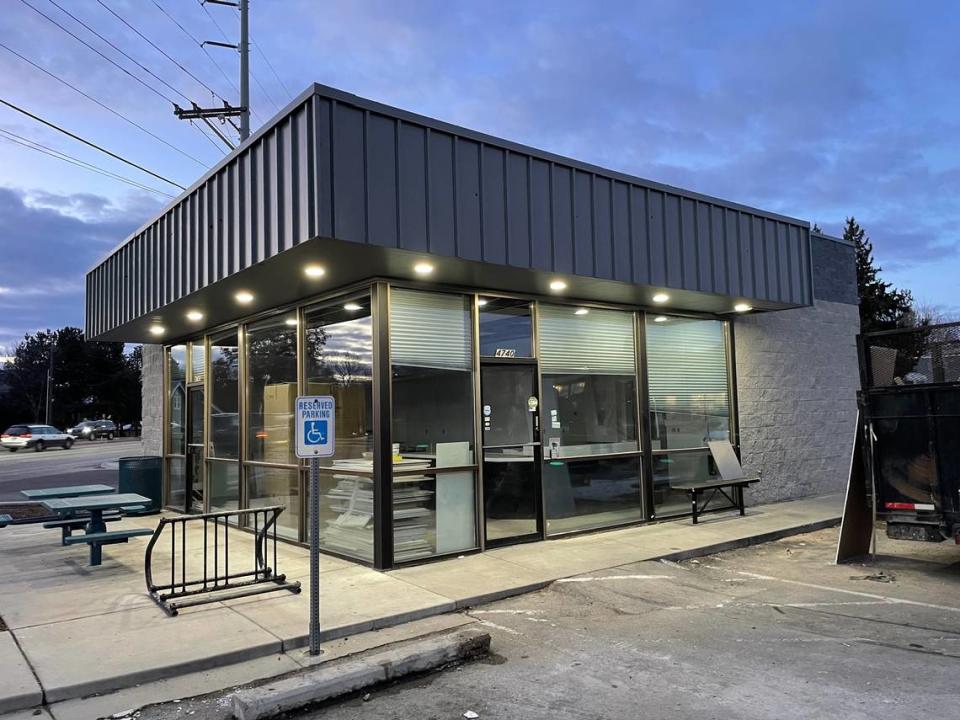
x,y
818,110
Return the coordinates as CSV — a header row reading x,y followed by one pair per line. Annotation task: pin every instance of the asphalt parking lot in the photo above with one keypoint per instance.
x,y
85,463
772,631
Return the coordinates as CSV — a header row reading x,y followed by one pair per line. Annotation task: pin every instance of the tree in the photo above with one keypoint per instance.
x,y
882,307
91,380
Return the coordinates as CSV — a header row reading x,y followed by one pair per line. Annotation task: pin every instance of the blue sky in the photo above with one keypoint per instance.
x,y
817,110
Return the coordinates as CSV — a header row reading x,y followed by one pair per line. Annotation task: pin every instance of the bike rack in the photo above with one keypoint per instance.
x,y
217,582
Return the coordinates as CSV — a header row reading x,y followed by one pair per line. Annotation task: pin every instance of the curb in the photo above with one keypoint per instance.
x,y
326,682
748,541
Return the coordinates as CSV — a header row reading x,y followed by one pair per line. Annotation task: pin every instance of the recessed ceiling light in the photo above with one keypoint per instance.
x,y
660,298
314,271
423,268
580,311
482,301
742,307
291,321
243,297
157,330
352,307
660,318
195,315
558,285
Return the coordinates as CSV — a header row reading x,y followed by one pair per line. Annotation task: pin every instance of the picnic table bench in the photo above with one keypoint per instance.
x,y
66,491
5,520
731,476
96,534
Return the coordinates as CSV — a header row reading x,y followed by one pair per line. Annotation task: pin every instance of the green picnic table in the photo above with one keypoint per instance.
x,y
66,492
96,535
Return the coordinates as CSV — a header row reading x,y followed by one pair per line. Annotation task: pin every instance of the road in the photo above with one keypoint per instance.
x,y
774,631
80,465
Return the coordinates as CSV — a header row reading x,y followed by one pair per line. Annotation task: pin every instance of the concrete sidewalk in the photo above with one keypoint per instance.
x,y
76,630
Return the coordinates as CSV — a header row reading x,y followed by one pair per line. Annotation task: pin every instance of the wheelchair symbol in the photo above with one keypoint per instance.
x,y
315,432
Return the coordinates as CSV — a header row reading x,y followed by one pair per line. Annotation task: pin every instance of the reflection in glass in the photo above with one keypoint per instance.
x,y
177,397
591,493
177,482
689,403
430,341
224,397
589,414
272,363
223,480
339,362
276,486
506,328
197,366
681,467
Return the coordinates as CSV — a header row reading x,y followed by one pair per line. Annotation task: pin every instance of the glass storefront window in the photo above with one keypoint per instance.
x,y
433,423
176,424
689,401
223,476
589,408
277,486
506,328
339,362
197,364
272,391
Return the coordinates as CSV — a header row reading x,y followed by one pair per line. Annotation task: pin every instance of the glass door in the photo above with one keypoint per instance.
x,y
195,450
511,452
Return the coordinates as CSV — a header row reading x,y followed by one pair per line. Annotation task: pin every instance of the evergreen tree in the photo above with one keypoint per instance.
x,y
882,306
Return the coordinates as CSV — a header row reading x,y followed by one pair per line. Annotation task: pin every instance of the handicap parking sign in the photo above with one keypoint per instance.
x,y
315,419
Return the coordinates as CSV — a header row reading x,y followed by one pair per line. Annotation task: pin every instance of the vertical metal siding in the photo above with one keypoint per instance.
x,y
337,166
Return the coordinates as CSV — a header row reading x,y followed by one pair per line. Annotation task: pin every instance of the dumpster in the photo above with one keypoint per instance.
x,y
142,474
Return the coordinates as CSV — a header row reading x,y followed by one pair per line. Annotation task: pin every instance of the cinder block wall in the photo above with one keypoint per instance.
x,y
797,380
152,393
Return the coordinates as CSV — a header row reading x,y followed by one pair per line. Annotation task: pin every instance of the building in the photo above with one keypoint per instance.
x,y
521,346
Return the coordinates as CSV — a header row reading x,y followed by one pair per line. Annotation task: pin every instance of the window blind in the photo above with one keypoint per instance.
x,y
687,366
599,342
430,330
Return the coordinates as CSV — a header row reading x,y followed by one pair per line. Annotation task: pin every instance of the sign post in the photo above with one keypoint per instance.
x,y
316,438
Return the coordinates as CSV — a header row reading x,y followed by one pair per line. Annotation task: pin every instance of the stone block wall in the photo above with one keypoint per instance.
x,y
797,381
152,393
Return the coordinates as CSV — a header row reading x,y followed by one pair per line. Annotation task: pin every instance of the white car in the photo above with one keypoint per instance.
x,y
39,437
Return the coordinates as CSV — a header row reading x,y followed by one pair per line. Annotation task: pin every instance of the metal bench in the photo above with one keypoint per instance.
x,y
97,540
731,476
68,525
5,520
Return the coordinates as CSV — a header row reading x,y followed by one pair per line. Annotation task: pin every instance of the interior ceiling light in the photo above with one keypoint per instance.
x,y
742,307
580,311
661,298
352,307
314,271
423,268
660,318
558,285
244,297
482,301
157,330
291,321
195,315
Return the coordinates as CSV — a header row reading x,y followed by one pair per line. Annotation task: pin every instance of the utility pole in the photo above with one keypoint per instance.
x,y
244,69
49,409
228,111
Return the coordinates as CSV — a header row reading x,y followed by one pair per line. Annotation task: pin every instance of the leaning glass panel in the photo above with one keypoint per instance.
x,y
671,469
269,486
591,493
433,424
272,372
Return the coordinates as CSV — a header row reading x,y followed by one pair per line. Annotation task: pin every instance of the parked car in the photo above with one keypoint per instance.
x,y
93,429
38,437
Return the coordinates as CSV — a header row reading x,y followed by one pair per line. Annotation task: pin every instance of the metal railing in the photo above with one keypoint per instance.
x,y
217,582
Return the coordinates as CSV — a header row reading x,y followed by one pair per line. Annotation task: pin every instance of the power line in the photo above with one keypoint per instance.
x,y
122,52
91,144
110,60
270,65
33,145
101,104
158,49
